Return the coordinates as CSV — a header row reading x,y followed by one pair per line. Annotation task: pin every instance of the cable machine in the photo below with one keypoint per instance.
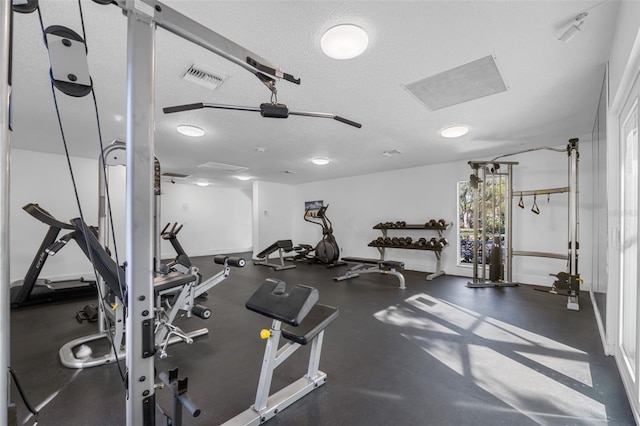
x,y
491,182
568,280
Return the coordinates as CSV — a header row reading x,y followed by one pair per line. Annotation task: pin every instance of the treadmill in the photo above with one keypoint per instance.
x,y
33,290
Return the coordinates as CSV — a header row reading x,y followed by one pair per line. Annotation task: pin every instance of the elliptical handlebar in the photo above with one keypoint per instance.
x,y
320,215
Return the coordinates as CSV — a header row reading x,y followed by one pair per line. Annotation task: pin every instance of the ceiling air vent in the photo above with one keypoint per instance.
x,y
203,77
467,82
175,176
222,166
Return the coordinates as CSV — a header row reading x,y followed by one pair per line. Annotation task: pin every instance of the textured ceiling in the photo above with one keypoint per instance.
x,y
552,95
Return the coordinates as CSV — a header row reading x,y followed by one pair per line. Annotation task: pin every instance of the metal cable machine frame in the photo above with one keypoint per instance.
x,y
5,163
143,16
570,280
478,182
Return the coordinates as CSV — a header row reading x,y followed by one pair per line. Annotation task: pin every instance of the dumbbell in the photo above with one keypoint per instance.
x,y
444,242
433,243
408,240
442,223
431,223
401,224
386,241
421,242
395,241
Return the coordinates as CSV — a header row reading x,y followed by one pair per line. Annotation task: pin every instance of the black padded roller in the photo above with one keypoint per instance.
x,y
180,108
349,122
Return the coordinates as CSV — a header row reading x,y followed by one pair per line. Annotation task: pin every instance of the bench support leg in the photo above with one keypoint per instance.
x,y
265,406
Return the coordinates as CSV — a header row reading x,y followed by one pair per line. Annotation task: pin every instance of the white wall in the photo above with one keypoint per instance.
x,y
358,203
418,194
217,220
44,179
273,214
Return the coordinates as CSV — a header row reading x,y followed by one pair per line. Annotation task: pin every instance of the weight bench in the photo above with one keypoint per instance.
x,y
305,322
390,267
172,297
174,292
282,246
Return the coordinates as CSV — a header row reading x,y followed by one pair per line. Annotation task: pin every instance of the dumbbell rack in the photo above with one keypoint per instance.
x,y
437,249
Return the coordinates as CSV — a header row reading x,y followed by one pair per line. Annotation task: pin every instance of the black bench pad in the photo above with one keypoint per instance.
x,y
171,280
381,263
271,300
318,318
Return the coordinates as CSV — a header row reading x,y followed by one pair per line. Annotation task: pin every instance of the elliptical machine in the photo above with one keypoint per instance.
x,y
326,251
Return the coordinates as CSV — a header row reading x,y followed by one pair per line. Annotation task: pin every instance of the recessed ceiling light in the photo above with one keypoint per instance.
x,y
344,41
454,131
189,130
202,183
242,177
320,161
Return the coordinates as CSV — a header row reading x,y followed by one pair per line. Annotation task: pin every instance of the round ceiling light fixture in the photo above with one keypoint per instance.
x,y
454,131
243,177
344,41
202,183
320,161
190,130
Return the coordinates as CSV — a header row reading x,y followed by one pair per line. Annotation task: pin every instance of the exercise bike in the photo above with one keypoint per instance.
x,y
326,251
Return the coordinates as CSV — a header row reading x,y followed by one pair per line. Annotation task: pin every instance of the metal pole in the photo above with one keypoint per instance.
x,y
139,216
509,236
5,162
483,216
573,206
103,219
476,215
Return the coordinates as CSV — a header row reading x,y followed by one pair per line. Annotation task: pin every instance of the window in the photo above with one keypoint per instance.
x,y
494,217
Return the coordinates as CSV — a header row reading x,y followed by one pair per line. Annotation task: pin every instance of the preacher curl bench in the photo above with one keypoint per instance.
x,y
305,322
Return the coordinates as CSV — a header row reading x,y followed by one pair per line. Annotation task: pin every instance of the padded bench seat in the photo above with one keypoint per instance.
x,y
388,264
316,320
173,279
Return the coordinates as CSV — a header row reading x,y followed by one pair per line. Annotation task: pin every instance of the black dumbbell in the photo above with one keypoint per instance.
x,y
408,240
442,223
433,243
431,223
444,242
386,241
421,242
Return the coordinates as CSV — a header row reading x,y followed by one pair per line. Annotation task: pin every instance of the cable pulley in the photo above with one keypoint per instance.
x,y
68,58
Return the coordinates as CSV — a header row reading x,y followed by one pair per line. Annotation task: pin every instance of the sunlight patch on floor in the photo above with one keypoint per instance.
x,y
537,376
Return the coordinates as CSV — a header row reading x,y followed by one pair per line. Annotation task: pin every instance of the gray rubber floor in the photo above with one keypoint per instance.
x,y
437,353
